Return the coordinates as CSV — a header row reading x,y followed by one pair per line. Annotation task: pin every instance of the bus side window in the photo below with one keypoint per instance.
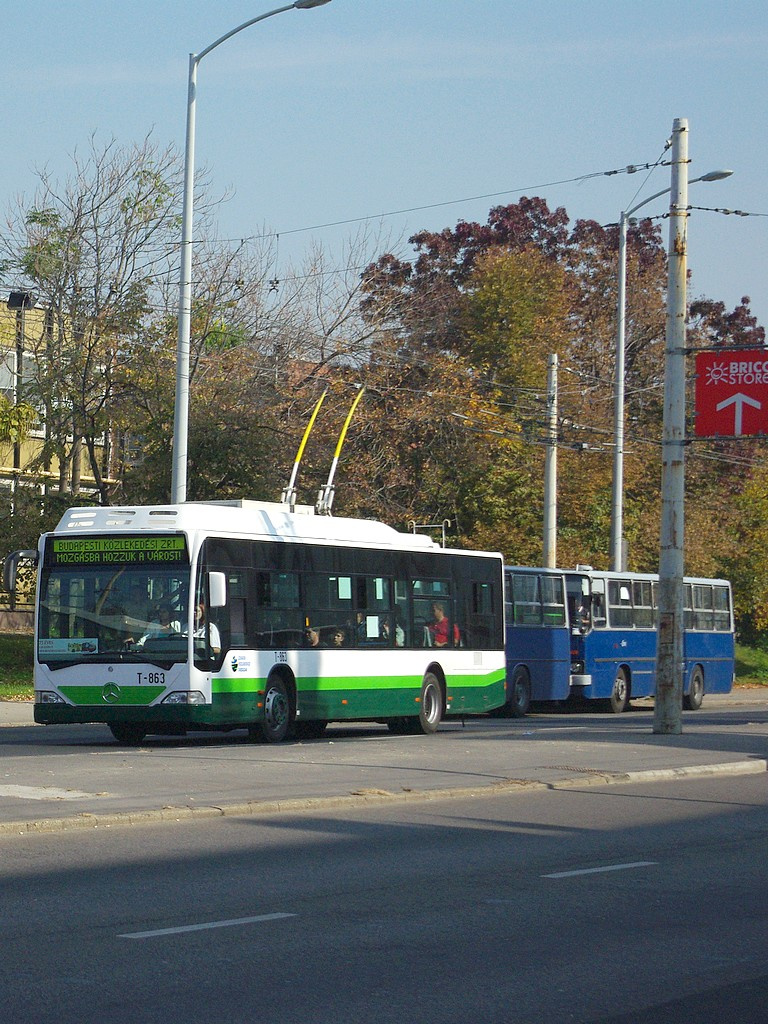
x,y
703,611
480,620
687,606
237,621
620,604
643,609
722,610
598,604
401,610
552,598
527,600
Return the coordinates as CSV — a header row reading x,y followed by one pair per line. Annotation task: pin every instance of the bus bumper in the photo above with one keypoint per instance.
x,y
581,680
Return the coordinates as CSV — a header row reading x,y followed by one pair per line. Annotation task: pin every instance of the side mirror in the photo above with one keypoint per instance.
x,y
217,589
11,564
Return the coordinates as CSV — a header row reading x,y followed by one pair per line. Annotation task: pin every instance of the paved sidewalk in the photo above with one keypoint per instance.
x,y
63,777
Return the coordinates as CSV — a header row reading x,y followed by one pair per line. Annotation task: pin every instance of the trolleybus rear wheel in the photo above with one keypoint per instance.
x,y
431,704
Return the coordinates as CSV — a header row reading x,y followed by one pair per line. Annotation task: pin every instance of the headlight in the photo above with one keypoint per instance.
x,y
577,668
48,697
185,697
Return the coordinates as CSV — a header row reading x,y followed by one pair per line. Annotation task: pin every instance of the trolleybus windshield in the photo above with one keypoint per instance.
x,y
113,598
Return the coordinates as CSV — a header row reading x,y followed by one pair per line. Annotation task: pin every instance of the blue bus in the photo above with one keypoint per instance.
x,y
538,638
591,634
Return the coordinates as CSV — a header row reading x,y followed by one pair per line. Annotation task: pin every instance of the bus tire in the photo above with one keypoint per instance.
x,y
619,698
693,699
520,701
277,713
130,734
431,704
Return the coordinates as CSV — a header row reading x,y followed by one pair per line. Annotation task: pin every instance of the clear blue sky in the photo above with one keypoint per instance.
x,y
367,107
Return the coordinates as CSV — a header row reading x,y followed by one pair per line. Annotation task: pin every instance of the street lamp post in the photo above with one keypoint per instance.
x,y
617,504
181,409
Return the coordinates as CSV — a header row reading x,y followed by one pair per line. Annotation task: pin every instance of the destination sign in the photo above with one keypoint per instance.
x,y
116,550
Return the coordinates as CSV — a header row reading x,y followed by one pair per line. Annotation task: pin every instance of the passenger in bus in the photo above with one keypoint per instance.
x,y
312,637
386,630
361,628
440,628
582,617
339,638
205,629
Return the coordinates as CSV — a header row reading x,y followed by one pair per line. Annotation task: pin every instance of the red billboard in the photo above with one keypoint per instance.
x,y
731,393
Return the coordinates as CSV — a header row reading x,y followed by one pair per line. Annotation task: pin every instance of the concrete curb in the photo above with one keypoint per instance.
x,y
370,797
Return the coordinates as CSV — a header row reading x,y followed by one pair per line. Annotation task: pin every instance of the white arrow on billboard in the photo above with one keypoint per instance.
x,y
738,402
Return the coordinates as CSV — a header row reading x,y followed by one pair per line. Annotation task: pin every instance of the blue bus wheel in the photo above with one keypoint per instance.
x,y
619,698
520,700
693,699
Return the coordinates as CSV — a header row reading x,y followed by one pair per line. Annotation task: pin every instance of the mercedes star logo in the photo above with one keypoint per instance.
x,y
110,693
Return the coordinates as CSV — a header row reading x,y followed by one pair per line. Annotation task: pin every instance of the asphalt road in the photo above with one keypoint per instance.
x,y
64,777
592,904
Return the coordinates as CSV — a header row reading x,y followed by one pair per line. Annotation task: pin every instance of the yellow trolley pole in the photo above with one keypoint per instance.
x,y
325,495
288,496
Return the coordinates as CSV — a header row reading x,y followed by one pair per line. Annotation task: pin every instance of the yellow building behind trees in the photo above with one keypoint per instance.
x,y
26,455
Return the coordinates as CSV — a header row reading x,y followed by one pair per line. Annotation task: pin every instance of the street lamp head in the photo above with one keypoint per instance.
x,y
304,5
715,175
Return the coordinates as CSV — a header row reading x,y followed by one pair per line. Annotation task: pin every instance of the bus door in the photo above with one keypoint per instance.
x,y
585,605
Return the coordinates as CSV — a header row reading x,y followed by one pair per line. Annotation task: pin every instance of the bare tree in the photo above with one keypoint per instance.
x,y
91,249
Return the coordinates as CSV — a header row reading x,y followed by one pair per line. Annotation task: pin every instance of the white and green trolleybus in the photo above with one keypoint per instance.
x,y
262,616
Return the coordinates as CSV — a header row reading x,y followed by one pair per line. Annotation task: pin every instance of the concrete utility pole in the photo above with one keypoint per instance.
x,y
618,545
550,469
667,715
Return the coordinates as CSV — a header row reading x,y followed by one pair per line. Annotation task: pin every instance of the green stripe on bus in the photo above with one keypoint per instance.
x,y
112,696
306,684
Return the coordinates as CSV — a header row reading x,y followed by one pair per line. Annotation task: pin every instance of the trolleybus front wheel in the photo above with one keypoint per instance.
x,y
277,713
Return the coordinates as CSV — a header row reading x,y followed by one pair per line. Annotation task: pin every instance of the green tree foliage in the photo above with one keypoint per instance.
x,y
450,343
15,420
481,292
